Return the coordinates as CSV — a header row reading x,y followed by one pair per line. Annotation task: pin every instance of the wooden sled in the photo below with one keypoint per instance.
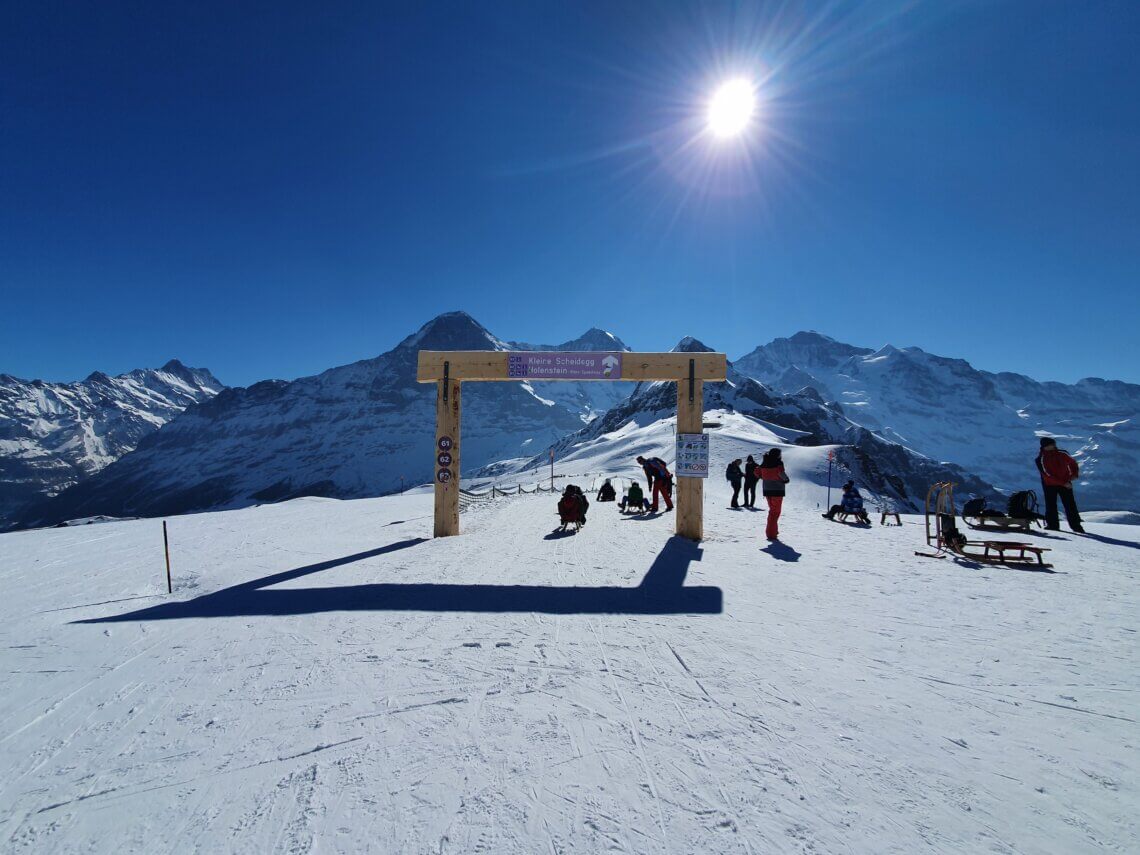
x,y
942,534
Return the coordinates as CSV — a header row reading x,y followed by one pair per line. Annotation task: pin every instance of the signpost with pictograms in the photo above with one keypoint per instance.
x,y
450,369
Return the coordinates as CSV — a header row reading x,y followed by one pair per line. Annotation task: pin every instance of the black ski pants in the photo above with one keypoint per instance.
x,y
735,494
1052,520
749,493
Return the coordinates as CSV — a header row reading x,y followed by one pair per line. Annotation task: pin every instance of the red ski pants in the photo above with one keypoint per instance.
x,y
665,493
775,505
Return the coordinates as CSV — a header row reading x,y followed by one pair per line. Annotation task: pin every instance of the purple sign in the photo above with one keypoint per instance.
x,y
443,476
556,365
443,458
445,443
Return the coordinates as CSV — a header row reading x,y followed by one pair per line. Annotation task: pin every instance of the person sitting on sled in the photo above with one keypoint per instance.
x,y
852,504
572,507
607,493
634,499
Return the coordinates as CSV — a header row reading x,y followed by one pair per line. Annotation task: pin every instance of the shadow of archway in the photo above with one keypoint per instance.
x,y
662,591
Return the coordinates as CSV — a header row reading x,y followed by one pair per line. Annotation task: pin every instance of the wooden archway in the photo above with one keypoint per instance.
x,y
450,369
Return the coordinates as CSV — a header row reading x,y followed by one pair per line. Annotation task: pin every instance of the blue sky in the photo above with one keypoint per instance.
x,y
270,189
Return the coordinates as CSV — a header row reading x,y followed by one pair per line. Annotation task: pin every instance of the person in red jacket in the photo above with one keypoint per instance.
x,y
660,481
1058,471
774,478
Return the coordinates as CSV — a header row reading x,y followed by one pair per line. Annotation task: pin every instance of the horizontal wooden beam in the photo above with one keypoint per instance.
x,y
492,365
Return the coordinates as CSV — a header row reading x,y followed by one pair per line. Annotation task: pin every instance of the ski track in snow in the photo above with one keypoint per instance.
x,y
858,699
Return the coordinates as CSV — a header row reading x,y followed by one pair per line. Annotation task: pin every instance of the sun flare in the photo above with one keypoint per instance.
x,y
731,108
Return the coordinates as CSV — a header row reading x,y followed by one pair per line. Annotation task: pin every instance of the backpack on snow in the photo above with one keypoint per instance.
x,y
1023,505
974,508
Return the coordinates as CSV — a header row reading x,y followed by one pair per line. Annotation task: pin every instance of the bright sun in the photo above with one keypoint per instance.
x,y
731,108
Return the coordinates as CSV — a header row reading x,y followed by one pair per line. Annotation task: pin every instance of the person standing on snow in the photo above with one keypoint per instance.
x,y
660,481
734,476
774,477
1058,470
751,476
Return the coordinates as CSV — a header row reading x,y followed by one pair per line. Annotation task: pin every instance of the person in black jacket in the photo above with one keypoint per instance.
x,y
751,476
734,476
607,493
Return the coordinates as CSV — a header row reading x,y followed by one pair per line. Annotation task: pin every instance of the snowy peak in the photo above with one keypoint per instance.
x,y
593,339
691,345
55,435
452,331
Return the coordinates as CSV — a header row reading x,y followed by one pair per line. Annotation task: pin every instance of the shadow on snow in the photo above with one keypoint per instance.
x,y
662,591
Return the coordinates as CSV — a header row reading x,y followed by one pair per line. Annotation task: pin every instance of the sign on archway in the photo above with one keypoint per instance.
x,y
450,369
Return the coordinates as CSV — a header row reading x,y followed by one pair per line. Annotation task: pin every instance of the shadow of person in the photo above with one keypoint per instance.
x,y
781,551
662,591
1111,541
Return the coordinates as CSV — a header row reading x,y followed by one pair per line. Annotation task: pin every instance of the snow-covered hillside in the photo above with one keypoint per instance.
x,y
743,410
946,409
54,435
352,431
326,677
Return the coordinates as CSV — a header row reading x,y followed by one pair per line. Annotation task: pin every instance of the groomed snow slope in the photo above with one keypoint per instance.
x,y
327,677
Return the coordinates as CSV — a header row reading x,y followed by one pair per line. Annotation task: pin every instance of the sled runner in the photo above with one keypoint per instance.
x,y
942,534
849,518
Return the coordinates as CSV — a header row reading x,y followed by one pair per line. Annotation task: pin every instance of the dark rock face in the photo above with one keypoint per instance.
x,y
56,435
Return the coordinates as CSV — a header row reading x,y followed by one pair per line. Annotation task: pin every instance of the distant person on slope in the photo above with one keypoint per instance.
x,y
774,477
607,493
1058,471
751,476
660,481
734,475
634,499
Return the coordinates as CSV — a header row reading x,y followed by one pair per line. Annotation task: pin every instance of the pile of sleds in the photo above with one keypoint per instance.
x,y
943,535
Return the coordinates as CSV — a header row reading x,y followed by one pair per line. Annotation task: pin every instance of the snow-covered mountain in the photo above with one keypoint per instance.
x,y
948,410
885,470
352,431
54,435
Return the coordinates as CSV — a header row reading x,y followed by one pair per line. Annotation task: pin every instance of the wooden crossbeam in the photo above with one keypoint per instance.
x,y
465,365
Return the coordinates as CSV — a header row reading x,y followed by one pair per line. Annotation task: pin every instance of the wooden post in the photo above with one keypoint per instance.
x,y
166,546
447,448
690,491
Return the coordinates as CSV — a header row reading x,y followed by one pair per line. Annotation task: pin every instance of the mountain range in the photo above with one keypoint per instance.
x,y
350,432
899,417
55,435
884,469
948,410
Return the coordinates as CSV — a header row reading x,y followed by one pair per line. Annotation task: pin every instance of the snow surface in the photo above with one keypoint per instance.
x,y
326,676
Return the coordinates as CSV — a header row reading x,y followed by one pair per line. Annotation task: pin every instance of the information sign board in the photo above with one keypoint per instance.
x,y
692,455
564,365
